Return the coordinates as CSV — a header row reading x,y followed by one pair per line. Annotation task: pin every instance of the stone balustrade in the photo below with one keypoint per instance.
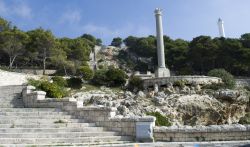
x,y
202,133
201,80
141,128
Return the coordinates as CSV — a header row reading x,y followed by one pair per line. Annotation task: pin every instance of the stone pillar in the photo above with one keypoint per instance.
x,y
144,129
161,71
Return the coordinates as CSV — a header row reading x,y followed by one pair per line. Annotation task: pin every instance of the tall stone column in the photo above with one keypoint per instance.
x,y
161,71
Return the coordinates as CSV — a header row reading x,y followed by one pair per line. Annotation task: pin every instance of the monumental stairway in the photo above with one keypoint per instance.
x,y
21,126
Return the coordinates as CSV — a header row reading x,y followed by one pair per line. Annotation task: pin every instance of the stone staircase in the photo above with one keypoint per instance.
x,y
21,126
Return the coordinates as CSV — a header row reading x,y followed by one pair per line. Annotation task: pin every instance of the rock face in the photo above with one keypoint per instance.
x,y
187,105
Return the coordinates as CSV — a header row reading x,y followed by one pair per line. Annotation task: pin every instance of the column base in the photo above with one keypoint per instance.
x,y
162,72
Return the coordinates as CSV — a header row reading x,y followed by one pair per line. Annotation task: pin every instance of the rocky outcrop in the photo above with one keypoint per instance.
x,y
187,105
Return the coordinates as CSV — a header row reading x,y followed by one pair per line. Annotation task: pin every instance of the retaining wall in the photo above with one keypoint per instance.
x,y
203,133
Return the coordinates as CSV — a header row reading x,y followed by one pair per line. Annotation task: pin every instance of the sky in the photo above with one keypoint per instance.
x,y
107,19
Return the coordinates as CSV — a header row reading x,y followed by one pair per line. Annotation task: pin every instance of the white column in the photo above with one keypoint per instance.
x,y
161,71
159,35
221,28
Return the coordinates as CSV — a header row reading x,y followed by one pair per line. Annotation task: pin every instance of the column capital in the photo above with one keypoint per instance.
x,y
158,11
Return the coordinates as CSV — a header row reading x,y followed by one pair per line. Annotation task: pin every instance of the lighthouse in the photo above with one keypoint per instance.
x,y
221,28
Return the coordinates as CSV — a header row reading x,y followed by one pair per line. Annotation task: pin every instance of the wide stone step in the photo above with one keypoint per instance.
x,y
11,106
50,130
29,110
55,125
57,135
88,144
32,113
40,121
63,140
39,117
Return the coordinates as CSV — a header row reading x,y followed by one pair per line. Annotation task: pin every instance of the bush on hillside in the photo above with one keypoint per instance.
x,y
75,83
100,77
160,119
85,72
116,77
227,78
135,83
112,77
60,81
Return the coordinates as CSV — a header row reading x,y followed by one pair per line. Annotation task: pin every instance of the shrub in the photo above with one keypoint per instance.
x,y
112,77
227,78
75,83
160,119
100,77
135,83
85,72
35,83
52,90
60,81
116,77
245,119
180,83
214,86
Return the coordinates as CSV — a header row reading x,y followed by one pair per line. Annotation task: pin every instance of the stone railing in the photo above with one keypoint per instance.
x,y
241,82
190,80
203,133
141,128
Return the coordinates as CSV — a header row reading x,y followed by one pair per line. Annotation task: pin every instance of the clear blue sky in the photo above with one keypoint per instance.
x,y
107,19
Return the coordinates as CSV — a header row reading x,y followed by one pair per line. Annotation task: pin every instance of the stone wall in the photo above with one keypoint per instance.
x,y
241,82
190,79
141,128
203,133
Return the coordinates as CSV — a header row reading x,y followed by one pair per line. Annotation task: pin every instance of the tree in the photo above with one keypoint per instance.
x,y
59,57
130,41
202,54
98,42
117,42
13,43
245,39
176,55
90,38
4,25
43,41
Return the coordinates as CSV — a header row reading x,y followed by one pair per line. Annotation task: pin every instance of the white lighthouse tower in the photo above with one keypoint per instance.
x,y
221,28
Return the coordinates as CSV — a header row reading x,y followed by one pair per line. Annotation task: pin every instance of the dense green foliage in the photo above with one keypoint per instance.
x,y
111,77
75,83
100,77
227,79
39,48
85,72
53,90
160,119
198,56
60,81
117,42
135,83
